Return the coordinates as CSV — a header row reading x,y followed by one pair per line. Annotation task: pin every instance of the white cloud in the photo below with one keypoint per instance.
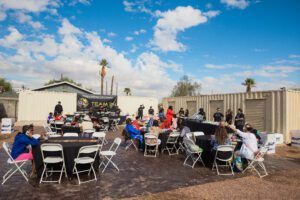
x,y
85,2
76,54
276,71
241,4
138,6
29,5
128,38
111,34
294,56
138,32
212,13
2,15
171,23
134,48
106,40
225,66
25,18
12,39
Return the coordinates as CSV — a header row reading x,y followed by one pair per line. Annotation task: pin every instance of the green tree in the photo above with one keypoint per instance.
x,y
127,91
249,83
186,87
5,86
103,64
63,79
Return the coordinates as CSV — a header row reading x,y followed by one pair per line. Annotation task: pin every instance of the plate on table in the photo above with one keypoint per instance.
x,y
36,136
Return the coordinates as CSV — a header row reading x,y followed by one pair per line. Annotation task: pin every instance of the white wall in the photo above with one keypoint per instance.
x,y
131,104
36,105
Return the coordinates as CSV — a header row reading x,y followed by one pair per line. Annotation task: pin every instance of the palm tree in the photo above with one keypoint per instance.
x,y
249,83
102,72
127,91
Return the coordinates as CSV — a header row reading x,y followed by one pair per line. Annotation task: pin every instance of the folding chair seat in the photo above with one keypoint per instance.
x,y
51,160
192,151
16,165
107,156
171,143
49,131
224,154
70,135
258,161
89,154
151,145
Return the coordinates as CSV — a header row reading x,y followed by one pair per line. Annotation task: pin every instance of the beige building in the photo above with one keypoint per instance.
x,y
273,111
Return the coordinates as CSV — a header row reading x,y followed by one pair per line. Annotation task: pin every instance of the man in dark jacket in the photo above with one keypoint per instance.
x,y
239,120
218,116
140,111
151,111
58,109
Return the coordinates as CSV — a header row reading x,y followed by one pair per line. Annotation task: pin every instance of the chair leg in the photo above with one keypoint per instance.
x,y
77,173
44,170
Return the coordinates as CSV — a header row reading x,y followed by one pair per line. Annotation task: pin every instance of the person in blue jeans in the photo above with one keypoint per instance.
x,y
134,133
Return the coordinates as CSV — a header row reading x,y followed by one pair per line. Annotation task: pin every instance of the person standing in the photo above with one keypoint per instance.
x,y
239,120
229,116
169,116
218,116
140,111
202,114
58,109
187,113
181,112
151,111
161,115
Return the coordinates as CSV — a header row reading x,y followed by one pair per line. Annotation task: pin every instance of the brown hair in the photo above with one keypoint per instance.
x,y
221,135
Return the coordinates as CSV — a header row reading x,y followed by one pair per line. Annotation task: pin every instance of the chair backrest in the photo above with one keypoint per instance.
x,y
173,136
105,119
99,135
89,130
7,149
187,143
51,147
225,148
70,135
89,150
115,145
262,151
199,133
151,139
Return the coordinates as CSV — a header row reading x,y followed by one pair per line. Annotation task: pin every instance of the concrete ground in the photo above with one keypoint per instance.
x,y
164,177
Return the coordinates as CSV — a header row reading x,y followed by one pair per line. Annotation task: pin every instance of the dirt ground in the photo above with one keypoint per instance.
x,y
166,178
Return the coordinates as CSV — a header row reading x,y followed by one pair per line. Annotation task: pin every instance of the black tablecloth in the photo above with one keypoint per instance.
x,y
207,129
70,129
70,152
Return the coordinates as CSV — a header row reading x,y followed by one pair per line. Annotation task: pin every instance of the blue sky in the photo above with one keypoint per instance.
x,y
150,45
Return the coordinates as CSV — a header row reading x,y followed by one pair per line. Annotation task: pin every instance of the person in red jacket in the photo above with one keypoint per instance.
x,y
169,116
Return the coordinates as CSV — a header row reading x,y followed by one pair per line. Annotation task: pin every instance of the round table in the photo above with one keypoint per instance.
x,y
206,128
71,148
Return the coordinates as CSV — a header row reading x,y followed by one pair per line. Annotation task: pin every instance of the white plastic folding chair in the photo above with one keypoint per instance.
x,y
171,143
17,165
58,125
114,125
151,145
192,151
189,136
51,160
258,161
131,140
49,131
70,135
100,136
107,156
224,154
196,134
87,158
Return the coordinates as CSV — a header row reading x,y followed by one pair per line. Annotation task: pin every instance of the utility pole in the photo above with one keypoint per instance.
x,y
106,87
112,85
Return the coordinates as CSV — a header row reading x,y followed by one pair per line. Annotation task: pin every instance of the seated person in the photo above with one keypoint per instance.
x,y
183,129
86,124
20,149
50,117
254,131
137,123
75,121
134,133
220,137
249,147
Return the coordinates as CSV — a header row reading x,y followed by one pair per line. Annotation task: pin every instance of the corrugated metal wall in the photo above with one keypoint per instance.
x,y
131,104
276,106
36,105
293,110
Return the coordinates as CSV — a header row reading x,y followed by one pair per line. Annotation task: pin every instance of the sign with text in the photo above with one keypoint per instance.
x,y
87,101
